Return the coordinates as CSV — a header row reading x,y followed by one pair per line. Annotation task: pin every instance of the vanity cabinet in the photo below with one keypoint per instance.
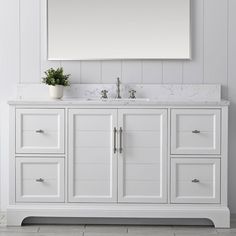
x,y
118,160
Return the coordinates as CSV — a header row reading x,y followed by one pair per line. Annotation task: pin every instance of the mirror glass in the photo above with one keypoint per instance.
x,y
118,29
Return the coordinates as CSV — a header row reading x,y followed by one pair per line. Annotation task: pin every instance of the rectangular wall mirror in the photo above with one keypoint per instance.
x,y
118,29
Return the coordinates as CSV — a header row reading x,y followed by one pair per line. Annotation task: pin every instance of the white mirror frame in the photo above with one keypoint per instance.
x,y
130,48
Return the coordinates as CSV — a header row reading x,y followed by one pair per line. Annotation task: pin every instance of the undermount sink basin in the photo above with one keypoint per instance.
x,y
119,99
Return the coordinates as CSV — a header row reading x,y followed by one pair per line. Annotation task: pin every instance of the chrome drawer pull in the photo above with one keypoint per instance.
x,y
40,180
114,148
39,131
196,132
195,181
121,148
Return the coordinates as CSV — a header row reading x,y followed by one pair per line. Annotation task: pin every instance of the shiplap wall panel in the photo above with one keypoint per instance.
x,y
110,71
193,69
215,42
10,52
232,97
152,72
10,71
90,72
72,68
232,52
172,72
44,63
30,40
132,72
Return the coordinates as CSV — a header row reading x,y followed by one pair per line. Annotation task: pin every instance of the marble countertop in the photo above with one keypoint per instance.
x,y
112,102
158,95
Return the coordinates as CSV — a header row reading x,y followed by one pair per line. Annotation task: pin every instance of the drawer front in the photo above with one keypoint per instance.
x,y
195,180
40,131
39,179
195,131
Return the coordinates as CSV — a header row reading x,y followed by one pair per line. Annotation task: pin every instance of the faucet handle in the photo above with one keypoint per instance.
x,y
104,94
132,93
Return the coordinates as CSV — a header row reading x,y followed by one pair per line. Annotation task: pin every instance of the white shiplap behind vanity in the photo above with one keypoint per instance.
x,y
209,65
23,27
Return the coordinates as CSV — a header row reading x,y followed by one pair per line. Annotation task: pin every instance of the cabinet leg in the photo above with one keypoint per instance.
x,y
221,221
15,218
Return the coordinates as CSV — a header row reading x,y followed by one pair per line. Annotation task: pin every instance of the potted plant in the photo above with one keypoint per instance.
x,y
57,80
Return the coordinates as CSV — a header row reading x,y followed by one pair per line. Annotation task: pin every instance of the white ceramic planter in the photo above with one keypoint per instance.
x,y
56,92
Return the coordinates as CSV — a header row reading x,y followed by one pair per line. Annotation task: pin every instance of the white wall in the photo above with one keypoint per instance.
x,y
23,37
9,66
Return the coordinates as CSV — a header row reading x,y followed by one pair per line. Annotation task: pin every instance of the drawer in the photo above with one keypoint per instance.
x,y
195,180
195,131
39,179
40,131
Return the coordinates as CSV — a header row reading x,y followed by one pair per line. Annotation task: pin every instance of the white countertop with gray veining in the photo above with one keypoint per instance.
x,y
147,95
113,102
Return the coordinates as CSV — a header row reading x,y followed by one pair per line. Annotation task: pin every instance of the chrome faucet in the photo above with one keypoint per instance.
x,y
118,88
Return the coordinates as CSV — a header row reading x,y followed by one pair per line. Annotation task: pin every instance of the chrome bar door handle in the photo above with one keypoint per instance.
x,y
40,180
39,131
115,147
121,148
196,132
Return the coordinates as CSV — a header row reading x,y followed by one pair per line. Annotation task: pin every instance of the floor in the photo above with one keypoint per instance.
x,y
103,230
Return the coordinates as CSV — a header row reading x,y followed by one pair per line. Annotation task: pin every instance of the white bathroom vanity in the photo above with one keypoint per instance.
x,y
144,158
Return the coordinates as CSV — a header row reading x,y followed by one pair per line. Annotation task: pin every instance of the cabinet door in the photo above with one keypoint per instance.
x,y
195,131
92,159
40,131
142,162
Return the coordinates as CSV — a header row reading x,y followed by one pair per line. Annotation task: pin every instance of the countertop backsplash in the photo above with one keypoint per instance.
x,y
159,92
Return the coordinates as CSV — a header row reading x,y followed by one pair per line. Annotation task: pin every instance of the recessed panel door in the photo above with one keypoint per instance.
x,y
142,162
92,155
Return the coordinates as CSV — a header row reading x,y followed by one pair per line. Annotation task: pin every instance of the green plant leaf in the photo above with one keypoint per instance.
x,y
56,77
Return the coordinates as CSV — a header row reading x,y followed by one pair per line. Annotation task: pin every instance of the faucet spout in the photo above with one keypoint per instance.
x,y
118,83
